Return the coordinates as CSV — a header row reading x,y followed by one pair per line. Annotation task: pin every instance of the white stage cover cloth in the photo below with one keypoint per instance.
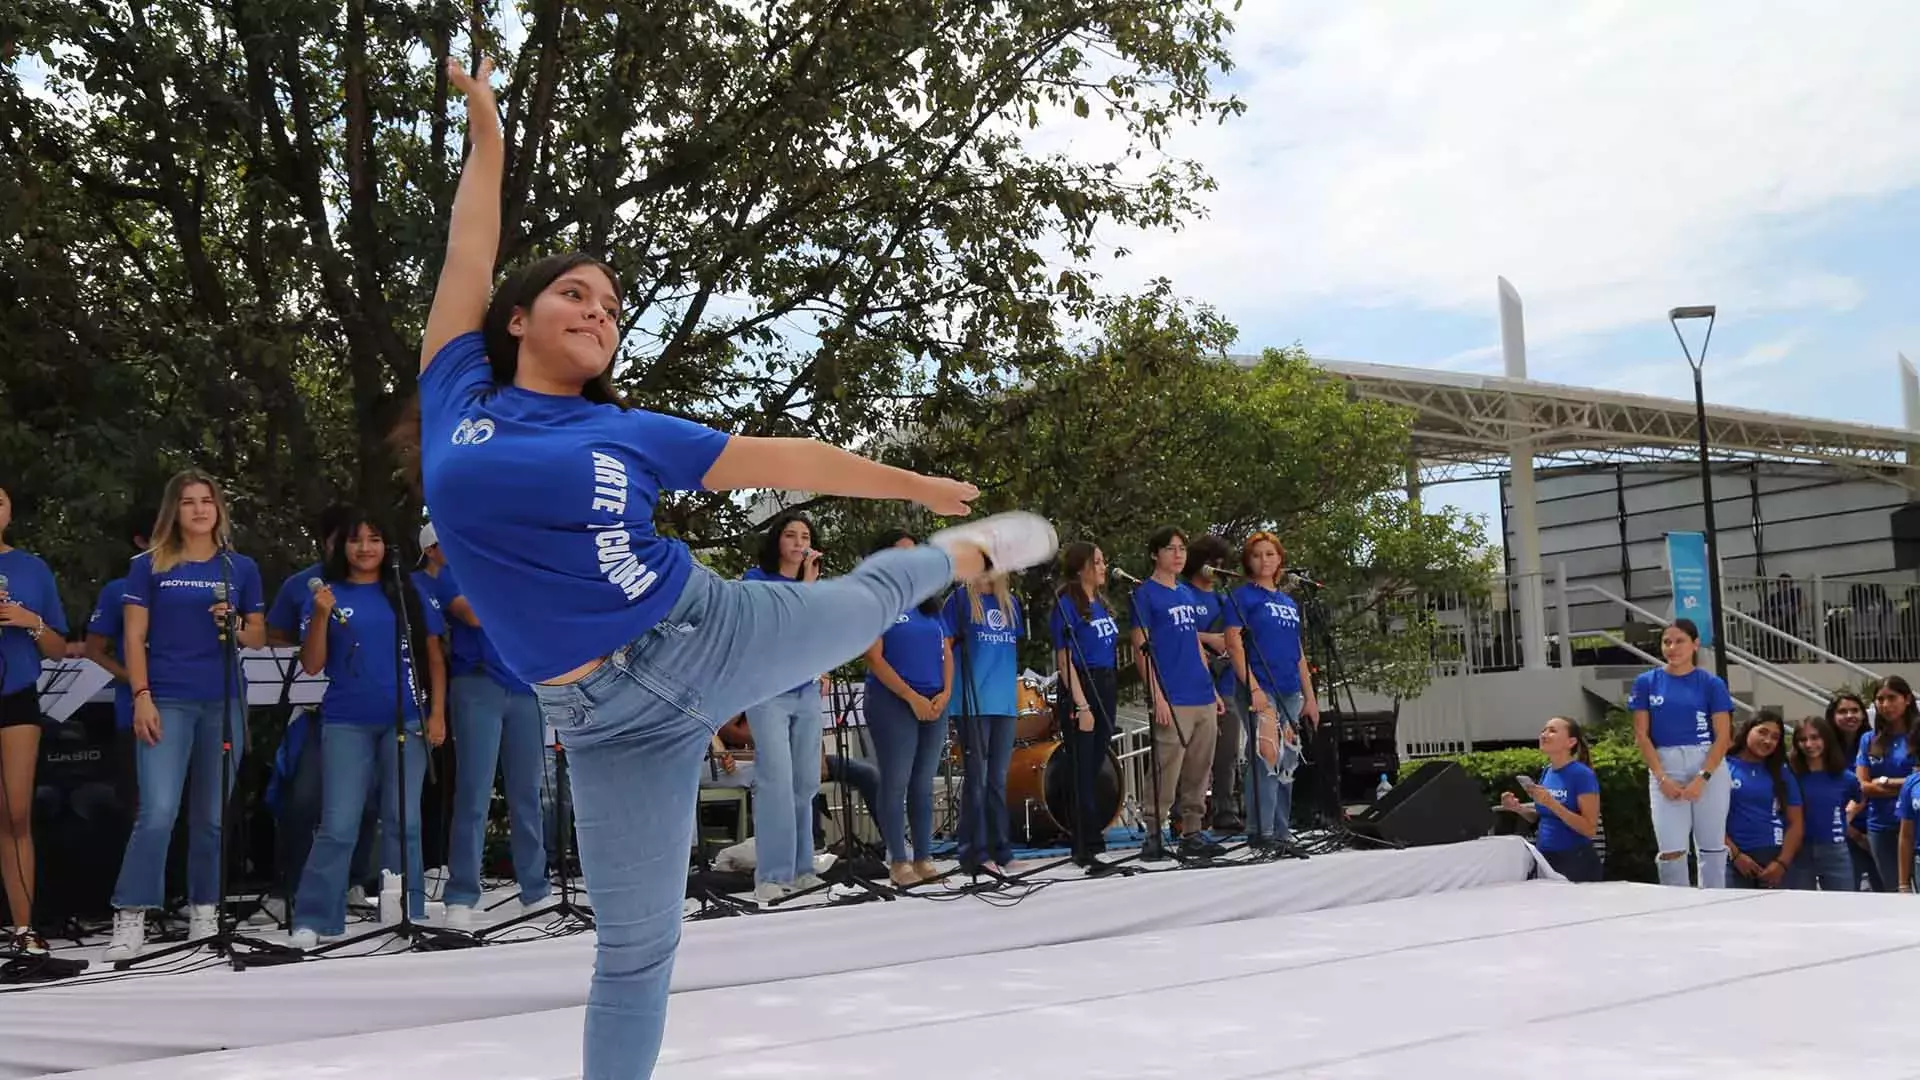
x,y
756,962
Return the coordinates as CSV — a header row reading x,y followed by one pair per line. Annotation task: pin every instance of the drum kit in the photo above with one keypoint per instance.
x,y
1039,777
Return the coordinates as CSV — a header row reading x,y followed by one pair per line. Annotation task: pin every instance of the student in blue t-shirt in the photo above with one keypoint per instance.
x,y
350,629
786,736
283,614
984,627
1828,786
1683,722
33,627
1907,811
909,682
1223,809
497,731
1263,638
1565,801
179,641
1765,822
543,486
1186,707
1884,761
1085,644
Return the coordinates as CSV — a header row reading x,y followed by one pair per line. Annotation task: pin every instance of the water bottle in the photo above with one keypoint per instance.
x,y
389,898
1386,786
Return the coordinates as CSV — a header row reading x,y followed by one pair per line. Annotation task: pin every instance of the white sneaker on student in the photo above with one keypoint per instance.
x,y
768,891
1012,541
129,935
808,881
459,917
304,938
203,921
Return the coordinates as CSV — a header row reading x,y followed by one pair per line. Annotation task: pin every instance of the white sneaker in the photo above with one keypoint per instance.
x,y
203,921
460,916
357,898
129,935
808,881
768,891
304,938
1012,541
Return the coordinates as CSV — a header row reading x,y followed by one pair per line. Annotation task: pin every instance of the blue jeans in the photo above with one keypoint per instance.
x,y
494,730
189,745
859,775
1270,787
1826,864
636,731
1763,856
359,761
907,750
786,775
300,815
1576,864
984,835
1885,847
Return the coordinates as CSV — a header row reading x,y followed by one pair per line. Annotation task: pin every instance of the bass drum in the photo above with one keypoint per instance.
x,y
1040,791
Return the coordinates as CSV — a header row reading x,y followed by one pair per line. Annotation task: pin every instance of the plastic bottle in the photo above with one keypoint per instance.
x,y
389,898
1385,787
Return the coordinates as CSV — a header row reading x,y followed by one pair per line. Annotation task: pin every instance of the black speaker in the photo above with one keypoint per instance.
x,y
80,817
1441,803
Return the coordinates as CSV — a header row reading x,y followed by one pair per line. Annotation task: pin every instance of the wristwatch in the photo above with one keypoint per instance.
x,y
1706,774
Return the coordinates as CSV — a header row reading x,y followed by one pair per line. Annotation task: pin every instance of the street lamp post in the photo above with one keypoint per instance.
x,y
1719,621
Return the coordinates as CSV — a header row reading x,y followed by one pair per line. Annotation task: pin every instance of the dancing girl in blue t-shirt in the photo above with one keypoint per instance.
x,y
543,485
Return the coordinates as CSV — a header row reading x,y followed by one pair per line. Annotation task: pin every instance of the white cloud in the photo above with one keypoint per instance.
x,y
1611,159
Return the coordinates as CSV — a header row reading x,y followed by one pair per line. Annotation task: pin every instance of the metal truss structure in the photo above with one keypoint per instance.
x,y
1466,424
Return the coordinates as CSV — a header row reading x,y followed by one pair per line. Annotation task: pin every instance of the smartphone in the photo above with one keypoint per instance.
x,y
1526,782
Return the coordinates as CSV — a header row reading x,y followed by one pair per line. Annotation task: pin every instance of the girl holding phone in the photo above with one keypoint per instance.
x,y
1566,802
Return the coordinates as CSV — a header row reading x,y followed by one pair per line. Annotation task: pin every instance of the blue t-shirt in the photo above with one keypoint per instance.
x,y
360,657
185,660
1754,817
915,648
1680,708
754,573
989,657
1907,806
1096,640
1825,796
544,505
109,620
1214,619
29,584
283,614
1272,635
1565,785
1171,619
1895,763
467,645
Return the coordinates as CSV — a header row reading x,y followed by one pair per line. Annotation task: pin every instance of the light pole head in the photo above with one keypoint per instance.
x,y
1698,311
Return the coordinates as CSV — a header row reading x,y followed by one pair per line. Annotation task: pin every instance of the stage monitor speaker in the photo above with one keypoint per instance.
x,y
1441,803
81,817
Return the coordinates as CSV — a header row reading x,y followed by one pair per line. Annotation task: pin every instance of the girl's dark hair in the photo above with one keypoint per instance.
x,y
1583,752
885,539
1073,559
1210,550
517,290
1687,627
351,520
1776,761
1833,755
1889,726
1163,538
1849,740
769,557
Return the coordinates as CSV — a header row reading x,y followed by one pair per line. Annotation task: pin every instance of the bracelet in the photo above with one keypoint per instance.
x,y
142,692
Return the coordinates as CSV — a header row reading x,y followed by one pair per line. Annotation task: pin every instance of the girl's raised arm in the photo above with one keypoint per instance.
x,y
473,233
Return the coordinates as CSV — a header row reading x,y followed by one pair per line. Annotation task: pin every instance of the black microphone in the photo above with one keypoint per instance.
x,y
1123,575
220,597
314,585
1221,571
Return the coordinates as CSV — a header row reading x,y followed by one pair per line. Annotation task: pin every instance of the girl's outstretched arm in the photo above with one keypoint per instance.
x,y
473,233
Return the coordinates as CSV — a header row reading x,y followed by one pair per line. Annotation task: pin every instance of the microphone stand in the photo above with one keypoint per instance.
x,y
241,951
1332,811
842,871
579,915
417,937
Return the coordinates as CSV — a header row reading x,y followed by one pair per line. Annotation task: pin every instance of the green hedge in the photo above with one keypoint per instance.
x,y
1625,821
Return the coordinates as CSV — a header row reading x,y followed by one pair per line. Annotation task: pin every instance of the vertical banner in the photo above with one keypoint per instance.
x,y
1687,574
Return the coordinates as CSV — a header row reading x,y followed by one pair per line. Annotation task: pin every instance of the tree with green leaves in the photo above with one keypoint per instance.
x,y
222,219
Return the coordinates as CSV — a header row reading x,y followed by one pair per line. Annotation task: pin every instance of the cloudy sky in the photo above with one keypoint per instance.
x,y
1611,159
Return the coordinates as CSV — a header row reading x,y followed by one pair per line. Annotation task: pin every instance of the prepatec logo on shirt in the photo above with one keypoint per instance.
x,y
472,432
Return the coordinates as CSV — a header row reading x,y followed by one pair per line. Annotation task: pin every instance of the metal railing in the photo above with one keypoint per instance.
x,y
1757,665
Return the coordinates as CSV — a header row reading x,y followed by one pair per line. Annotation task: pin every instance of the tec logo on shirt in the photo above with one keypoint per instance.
x,y
1104,628
1656,700
996,619
472,432
1183,615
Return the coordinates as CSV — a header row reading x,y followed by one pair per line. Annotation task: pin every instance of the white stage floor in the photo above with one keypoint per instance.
x,y
1432,962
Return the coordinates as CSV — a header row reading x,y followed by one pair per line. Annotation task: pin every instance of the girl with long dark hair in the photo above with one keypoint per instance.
x,y
1269,659
33,627
1847,712
984,627
1682,718
543,487
1565,802
909,682
348,631
183,694
1212,613
1828,786
786,735
1883,764
1764,818
1085,643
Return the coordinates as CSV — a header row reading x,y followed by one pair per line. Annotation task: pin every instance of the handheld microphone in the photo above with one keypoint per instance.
x,y
314,585
1123,575
220,597
3,588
